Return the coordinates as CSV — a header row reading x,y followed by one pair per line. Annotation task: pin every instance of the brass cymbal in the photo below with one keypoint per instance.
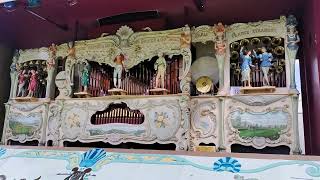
x,y
204,84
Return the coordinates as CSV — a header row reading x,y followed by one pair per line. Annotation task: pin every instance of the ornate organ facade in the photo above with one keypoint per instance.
x,y
65,93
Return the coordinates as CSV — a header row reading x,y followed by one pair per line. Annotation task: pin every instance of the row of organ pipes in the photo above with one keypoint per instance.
x,y
118,115
137,81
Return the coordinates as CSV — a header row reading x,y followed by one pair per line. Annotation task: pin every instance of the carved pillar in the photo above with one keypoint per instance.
x,y
54,123
50,82
295,103
220,52
4,134
185,78
220,122
221,59
184,142
14,83
292,74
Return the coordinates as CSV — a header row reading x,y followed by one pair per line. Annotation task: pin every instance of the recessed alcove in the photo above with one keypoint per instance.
x,y
237,148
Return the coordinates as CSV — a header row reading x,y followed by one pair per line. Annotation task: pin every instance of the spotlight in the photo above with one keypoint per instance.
x,y
34,3
72,2
9,5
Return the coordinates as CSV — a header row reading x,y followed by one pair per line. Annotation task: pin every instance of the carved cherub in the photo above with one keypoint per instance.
x,y
185,40
52,56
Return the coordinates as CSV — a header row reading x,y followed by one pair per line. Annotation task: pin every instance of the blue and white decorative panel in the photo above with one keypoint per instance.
x,y
99,164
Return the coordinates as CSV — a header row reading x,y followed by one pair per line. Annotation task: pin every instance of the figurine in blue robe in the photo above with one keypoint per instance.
x,y
245,66
265,59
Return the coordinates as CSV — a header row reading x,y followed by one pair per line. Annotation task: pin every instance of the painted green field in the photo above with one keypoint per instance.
x,y
18,128
271,133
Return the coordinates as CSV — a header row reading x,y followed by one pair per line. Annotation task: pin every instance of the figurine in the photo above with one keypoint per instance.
x,y
71,59
220,45
292,38
220,52
52,56
245,66
33,83
265,59
185,40
160,66
22,82
85,77
14,73
117,73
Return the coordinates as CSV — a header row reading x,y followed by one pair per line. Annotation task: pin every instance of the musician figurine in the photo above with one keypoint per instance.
x,y
33,84
265,59
246,66
22,82
160,66
117,72
85,77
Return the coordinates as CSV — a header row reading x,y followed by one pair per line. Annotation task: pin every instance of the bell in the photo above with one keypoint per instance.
x,y
276,41
266,40
282,62
279,50
235,46
234,55
255,41
244,42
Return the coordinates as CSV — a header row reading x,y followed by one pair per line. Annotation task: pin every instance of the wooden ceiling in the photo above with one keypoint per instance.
x,y
23,30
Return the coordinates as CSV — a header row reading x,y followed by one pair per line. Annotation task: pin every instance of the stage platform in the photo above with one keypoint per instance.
x,y
121,164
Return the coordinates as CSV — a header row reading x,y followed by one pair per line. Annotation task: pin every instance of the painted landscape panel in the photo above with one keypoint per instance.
x,y
262,124
21,124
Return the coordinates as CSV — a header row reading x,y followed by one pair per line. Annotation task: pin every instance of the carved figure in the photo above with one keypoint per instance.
x,y
265,59
22,82
33,83
85,77
14,73
185,40
52,56
245,66
117,72
220,45
220,52
292,37
160,66
292,41
71,59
